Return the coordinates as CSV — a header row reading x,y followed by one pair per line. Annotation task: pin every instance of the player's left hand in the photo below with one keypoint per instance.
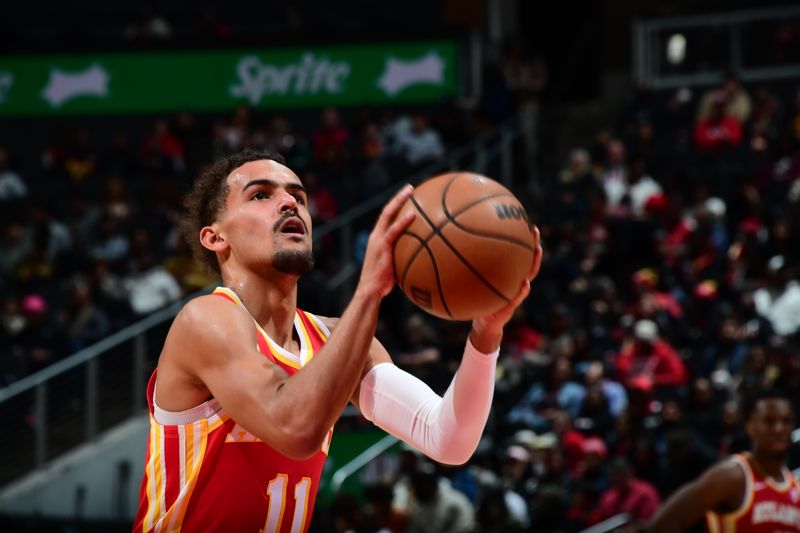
x,y
488,330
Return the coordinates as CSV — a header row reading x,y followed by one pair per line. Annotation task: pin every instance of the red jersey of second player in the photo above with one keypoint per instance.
x,y
768,506
204,472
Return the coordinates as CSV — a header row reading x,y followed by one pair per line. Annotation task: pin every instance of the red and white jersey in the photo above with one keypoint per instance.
x,y
206,473
767,507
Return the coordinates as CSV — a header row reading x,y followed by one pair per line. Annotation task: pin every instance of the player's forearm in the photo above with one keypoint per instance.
x,y
485,339
446,429
316,396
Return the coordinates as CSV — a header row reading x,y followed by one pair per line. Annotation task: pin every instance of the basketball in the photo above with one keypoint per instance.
x,y
469,248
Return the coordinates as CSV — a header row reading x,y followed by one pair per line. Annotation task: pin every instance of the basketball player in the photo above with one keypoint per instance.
x,y
748,493
248,387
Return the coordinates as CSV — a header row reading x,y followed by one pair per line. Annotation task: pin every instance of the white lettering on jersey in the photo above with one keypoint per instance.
x,y
775,512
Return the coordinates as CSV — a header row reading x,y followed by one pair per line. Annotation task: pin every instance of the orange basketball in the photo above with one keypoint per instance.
x,y
469,248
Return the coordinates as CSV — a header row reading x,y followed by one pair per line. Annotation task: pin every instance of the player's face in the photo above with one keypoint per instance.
x,y
266,220
770,427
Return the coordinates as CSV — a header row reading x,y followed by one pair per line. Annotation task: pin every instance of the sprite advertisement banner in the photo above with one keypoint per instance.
x,y
389,73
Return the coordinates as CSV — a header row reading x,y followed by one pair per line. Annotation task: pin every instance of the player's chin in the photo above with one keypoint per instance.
x,y
778,449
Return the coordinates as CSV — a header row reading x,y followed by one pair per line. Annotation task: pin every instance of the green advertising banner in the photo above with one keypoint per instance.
x,y
219,80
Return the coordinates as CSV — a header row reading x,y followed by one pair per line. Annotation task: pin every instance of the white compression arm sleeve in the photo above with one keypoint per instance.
x,y
446,429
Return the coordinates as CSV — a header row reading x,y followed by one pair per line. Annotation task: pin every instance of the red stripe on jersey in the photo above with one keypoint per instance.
x,y
172,466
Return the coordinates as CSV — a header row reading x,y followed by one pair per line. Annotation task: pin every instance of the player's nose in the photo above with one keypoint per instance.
x,y
287,201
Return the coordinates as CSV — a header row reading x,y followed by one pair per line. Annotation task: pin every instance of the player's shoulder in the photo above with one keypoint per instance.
x,y
207,306
210,314
729,471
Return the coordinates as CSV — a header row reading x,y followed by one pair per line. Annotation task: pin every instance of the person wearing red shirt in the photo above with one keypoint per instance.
x,y
634,497
718,129
648,362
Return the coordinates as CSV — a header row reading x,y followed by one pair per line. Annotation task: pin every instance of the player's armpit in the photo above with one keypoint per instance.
x,y
214,342
720,489
377,355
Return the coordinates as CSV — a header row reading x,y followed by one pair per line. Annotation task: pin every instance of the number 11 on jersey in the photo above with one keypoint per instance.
x,y
276,491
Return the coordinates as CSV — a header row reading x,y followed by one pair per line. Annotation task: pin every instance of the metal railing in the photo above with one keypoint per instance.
x,y
74,400
615,523
698,50
361,460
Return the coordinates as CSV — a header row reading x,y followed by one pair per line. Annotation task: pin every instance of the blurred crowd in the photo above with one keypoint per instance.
x,y
668,291
667,296
90,234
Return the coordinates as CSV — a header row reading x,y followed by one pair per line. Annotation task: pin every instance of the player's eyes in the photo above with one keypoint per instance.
x,y
260,195
300,199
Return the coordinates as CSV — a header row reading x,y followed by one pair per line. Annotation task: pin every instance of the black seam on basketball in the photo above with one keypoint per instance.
x,y
452,218
423,244
456,252
509,240
467,208
476,202
413,256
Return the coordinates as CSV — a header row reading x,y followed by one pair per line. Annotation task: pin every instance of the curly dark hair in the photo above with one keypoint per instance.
x,y
206,200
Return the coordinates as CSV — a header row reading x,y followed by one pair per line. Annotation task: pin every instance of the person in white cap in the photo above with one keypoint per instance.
x,y
647,362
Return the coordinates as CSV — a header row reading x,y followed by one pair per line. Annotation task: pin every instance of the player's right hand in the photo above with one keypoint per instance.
x,y
377,272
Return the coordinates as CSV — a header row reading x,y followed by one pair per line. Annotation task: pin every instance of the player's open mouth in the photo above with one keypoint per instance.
x,y
293,226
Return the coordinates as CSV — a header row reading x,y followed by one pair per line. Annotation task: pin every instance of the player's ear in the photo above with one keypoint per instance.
x,y
211,239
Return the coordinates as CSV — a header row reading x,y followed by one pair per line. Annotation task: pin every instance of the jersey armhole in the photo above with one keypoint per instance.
x,y
747,500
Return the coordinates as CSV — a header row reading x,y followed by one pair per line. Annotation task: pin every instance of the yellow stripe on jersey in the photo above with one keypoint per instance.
x,y
316,323
155,480
193,439
196,440
147,523
273,349
309,352
712,523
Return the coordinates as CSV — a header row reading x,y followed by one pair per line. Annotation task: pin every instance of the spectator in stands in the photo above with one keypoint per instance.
x,y
12,186
615,173
149,285
49,233
85,323
17,243
375,176
110,244
493,514
151,27
278,135
421,144
420,352
779,301
640,187
735,99
647,363
628,495
437,507
42,339
521,340
321,202
237,131
161,151
116,201
616,397
534,410
718,129
331,142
